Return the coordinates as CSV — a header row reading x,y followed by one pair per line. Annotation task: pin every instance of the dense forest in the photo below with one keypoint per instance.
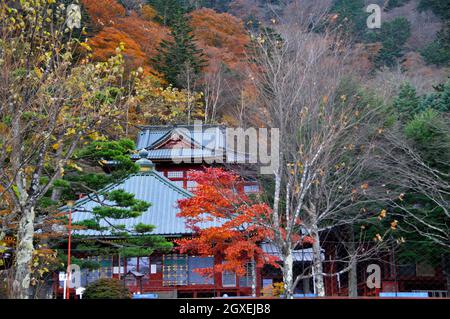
x,y
213,42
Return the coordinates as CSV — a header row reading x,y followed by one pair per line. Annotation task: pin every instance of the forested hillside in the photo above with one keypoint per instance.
x,y
412,45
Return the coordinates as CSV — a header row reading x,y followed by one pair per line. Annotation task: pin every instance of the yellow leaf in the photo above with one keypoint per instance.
x,y
38,72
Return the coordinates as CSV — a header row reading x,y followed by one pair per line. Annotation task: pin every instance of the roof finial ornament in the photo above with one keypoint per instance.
x,y
143,153
145,165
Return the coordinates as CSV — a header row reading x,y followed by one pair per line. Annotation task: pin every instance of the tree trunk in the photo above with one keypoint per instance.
x,y
317,264
56,194
24,255
446,266
353,280
353,272
288,274
253,278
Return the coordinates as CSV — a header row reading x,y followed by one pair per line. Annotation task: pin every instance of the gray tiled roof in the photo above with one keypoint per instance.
x,y
298,255
209,141
151,187
210,135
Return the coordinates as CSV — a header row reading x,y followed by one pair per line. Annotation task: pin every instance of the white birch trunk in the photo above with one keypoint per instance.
x,y
254,279
317,264
24,255
288,274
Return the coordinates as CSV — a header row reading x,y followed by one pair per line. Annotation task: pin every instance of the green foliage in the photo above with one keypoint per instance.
x,y
430,132
115,205
407,103
143,228
180,54
107,288
217,5
439,100
169,11
425,120
81,182
351,16
124,199
426,124
112,205
392,35
95,156
83,263
108,96
439,7
438,51
145,245
92,224
116,151
395,3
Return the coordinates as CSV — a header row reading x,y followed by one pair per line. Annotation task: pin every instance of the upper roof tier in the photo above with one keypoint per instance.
x,y
184,142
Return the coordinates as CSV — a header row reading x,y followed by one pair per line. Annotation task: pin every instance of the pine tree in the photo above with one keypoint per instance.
x,y
351,16
439,7
179,53
438,51
116,205
168,10
407,103
438,100
392,41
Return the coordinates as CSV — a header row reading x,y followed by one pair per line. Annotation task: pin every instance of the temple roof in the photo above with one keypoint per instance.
x,y
201,135
151,187
184,142
305,254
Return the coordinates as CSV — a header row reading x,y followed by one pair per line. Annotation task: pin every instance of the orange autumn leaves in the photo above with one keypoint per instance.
x,y
221,36
140,35
238,222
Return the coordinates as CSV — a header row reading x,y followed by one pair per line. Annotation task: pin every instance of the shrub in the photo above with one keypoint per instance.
x,y
107,288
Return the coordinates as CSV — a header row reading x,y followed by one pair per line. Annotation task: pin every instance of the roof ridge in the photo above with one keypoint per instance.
x,y
173,126
171,184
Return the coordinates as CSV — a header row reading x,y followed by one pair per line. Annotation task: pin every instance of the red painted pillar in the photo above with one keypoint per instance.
x,y
69,272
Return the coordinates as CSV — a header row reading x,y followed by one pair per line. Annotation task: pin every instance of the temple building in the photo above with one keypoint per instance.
x,y
165,155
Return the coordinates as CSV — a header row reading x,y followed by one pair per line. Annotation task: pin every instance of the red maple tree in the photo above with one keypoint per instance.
x,y
226,222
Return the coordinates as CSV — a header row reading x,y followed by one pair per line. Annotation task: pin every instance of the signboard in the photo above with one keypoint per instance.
x,y
79,291
153,269
116,270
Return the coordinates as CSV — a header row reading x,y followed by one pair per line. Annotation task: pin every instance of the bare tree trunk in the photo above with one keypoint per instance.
x,y
317,263
353,271
288,274
22,263
253,278
353,280
56,194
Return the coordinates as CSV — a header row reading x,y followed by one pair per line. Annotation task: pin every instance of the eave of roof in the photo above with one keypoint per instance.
x,y
151,187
